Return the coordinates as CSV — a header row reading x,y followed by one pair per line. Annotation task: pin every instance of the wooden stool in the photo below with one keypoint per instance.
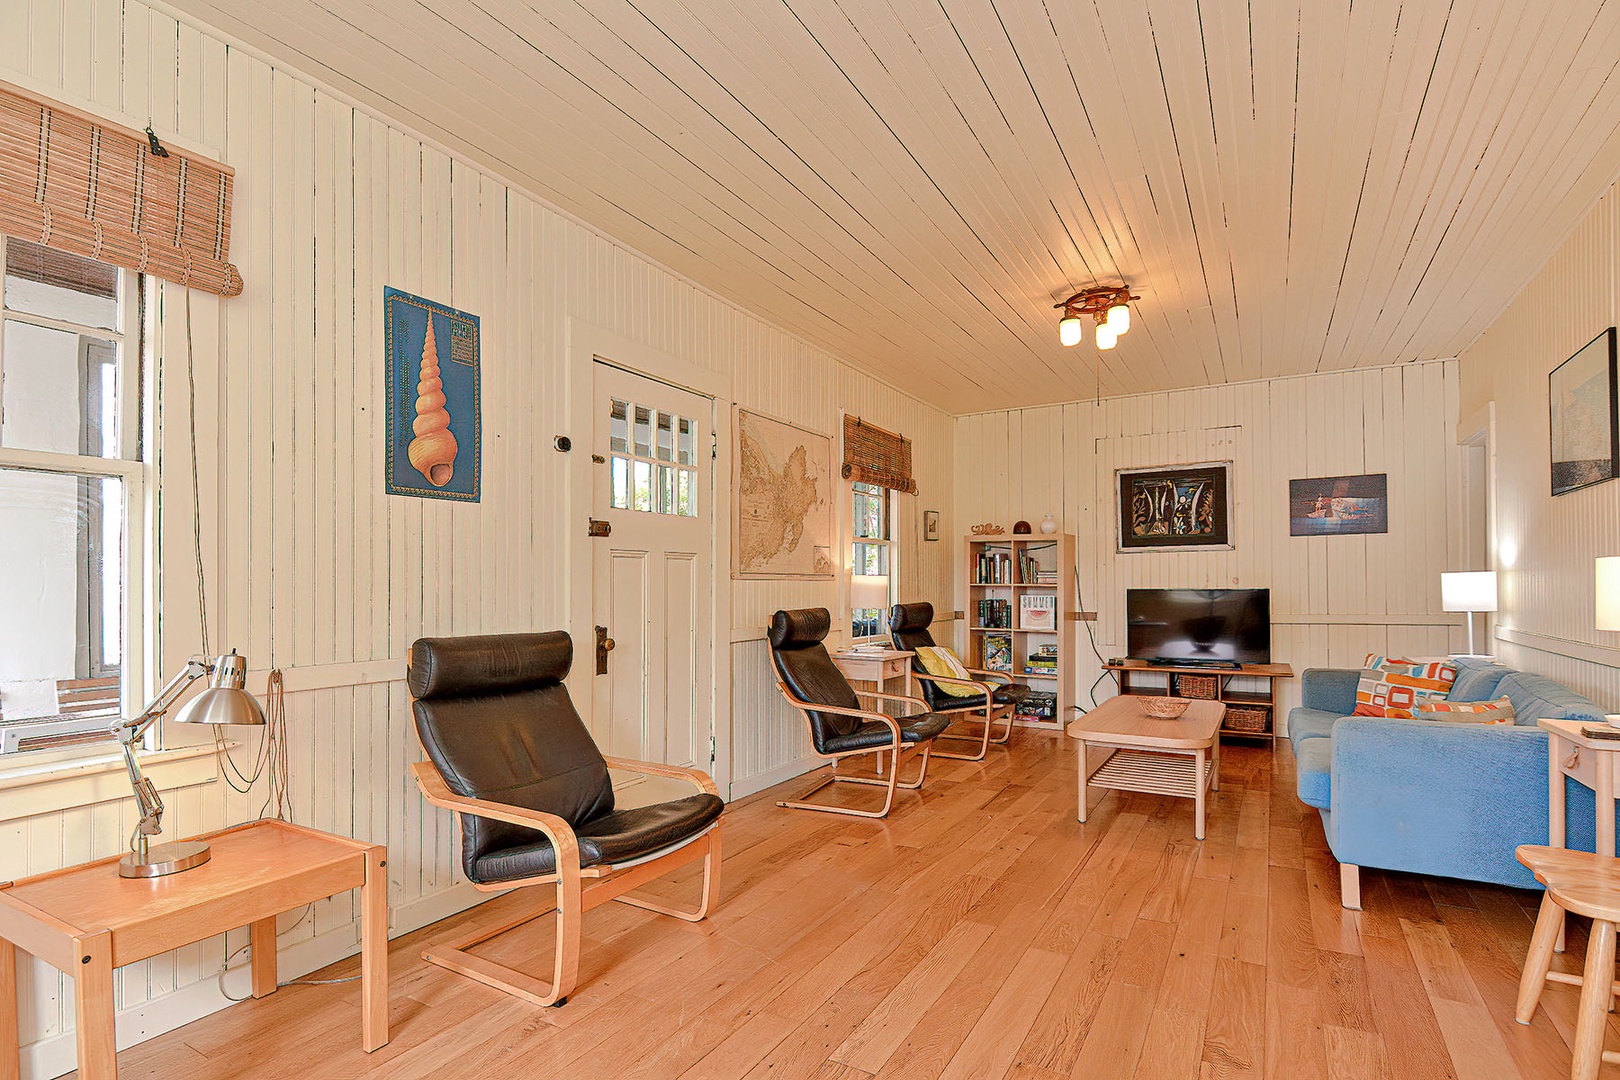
x,y
1589,885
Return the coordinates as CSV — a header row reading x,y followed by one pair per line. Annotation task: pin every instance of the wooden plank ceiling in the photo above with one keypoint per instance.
x,y
1291,187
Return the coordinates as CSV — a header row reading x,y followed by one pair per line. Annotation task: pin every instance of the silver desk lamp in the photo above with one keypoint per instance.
x,y
224,702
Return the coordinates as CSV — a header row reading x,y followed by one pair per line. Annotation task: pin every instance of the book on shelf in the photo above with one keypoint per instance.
x,y
994,568
1037,612
994,614
998,652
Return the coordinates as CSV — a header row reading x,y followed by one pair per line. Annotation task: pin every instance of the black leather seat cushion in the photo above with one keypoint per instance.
x,y
913,729
612,838
908,628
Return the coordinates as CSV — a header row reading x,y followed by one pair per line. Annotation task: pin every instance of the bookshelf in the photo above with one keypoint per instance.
x,y
1020,615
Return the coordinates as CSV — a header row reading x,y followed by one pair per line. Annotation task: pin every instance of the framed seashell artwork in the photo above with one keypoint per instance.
x,y
434,418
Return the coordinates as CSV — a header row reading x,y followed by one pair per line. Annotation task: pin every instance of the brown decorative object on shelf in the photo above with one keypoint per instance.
x,y
1020,528
988,528
1207,687
1249,719
1166,708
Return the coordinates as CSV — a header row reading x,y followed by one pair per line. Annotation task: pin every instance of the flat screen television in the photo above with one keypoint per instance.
x,y
1213,626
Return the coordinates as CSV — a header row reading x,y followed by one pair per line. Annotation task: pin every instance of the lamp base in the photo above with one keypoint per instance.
x,y
164,859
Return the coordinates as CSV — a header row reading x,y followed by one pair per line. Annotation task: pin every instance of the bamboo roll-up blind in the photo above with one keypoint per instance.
x,y
79,184
875,456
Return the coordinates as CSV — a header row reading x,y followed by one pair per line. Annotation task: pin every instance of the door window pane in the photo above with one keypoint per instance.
x,y
61,607
58,391
666,437
666,490
44,281
686,492
641,492
618,427
619,483
643,431
688,434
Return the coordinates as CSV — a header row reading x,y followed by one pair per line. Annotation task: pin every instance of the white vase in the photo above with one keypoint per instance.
x,y
1048,526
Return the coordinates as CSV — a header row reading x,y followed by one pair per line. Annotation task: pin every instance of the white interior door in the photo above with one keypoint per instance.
x,y
652,592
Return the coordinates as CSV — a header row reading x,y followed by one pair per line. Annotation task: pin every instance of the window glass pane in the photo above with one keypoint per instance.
x,y
686,492
871,506
61,608
619,483
687,450
666,489
643,431
44,281
58,391
666,437
641,492
871,559
618,427
867,622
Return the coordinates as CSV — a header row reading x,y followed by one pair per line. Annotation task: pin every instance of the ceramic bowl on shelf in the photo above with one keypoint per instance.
x,y
1165,708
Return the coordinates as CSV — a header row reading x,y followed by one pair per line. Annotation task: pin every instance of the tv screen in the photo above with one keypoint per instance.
x,y
1208,625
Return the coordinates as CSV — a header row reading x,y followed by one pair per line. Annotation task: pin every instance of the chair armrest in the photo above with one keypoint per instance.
x,y
1330,689
558,831
810,706
696,777
1004,677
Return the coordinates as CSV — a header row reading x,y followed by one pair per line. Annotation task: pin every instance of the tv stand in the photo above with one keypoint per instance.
x,y
1255,709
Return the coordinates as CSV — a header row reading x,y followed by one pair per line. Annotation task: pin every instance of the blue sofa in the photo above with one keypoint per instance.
x,y
1435,797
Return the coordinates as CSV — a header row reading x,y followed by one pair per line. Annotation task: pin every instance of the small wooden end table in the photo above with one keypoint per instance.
x,y
86,920
1594,763
1180,757
876,667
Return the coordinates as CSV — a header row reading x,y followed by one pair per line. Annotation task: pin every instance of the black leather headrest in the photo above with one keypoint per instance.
x,y
911,616
488,664
796,629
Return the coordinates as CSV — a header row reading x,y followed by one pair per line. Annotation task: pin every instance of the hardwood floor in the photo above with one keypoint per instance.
x,y
979,932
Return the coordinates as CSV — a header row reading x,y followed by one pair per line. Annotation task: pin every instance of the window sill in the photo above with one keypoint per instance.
x,y
47,787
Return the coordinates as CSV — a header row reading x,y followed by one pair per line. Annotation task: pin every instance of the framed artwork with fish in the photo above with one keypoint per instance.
x,y
1175,508
434,421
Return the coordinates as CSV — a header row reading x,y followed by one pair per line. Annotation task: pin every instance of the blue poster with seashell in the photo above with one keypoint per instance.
x,y
434,424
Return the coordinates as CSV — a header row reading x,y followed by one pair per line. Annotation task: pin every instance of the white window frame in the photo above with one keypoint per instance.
x,y
888,543
135,386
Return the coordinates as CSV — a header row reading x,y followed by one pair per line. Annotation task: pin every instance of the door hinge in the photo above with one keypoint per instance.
x,y
714,446
714,750
598,528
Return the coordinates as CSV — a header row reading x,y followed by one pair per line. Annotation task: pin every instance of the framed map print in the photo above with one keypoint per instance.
x,y
783,494
1585,428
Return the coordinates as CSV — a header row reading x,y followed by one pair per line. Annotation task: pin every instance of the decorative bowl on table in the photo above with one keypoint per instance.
x,y
1165,708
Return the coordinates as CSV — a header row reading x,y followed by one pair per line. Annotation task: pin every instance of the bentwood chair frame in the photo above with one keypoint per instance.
x,y
985,713
888,779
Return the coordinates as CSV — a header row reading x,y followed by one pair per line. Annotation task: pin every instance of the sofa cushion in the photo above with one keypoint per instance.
x,y
1391,685
1306,723
1313,772
1477,679
1536,697
1499,711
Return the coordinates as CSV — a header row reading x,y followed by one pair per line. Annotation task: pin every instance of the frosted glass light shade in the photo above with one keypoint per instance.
x,y
1071,330
869,591
1106,336
1608,593
1119,319
1473,590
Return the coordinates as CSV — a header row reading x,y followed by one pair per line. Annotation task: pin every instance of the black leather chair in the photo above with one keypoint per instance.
x,y
510,756
839,727
995,695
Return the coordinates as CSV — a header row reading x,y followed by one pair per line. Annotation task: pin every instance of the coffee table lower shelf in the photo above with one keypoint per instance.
x,y
1153,772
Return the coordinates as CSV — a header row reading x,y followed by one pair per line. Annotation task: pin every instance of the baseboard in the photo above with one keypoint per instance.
x,y
771,777
57,1055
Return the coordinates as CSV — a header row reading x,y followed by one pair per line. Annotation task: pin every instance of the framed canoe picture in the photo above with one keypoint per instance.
x,y
1339,505
1171,509
1585,426
434,422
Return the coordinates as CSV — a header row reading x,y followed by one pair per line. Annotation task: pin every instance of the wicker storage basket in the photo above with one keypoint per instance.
x,y
1249,719
1205,687
1165,708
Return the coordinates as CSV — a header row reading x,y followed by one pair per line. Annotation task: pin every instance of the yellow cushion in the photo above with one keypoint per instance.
x,y
938,660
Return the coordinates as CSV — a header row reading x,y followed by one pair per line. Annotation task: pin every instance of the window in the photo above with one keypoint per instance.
x,y
652,460
872,561
71,481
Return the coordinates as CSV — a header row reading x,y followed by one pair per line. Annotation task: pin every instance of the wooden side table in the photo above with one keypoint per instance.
x,y
1594,763
878,668
86,920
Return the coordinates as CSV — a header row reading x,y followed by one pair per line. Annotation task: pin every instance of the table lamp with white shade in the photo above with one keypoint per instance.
x,y
224,702
869,592
1468,591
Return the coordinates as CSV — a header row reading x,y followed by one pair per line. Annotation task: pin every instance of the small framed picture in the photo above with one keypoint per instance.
x,y
1585,427
930,524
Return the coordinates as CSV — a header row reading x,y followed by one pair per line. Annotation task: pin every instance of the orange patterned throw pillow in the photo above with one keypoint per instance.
x,y
1393,686
1499,711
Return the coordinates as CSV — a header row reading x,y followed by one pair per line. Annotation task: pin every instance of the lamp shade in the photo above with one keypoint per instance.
x,y
225,701
1471,590
1119,318
1071,331
1107,338
868,591
1608,593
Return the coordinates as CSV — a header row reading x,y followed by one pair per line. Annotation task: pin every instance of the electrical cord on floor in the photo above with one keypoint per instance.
x,y
225,967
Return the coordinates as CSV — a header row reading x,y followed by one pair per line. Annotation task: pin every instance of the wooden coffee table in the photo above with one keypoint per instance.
x,y
1180,757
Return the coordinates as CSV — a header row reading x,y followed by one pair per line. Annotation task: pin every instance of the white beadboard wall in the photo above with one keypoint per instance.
x,y
311,568
1545,546
1333,599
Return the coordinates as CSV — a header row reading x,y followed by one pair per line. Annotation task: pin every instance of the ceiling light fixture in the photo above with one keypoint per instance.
x,y
1109,308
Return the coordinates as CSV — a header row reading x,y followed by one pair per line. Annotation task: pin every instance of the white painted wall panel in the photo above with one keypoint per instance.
x,y
1333,598
311,568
